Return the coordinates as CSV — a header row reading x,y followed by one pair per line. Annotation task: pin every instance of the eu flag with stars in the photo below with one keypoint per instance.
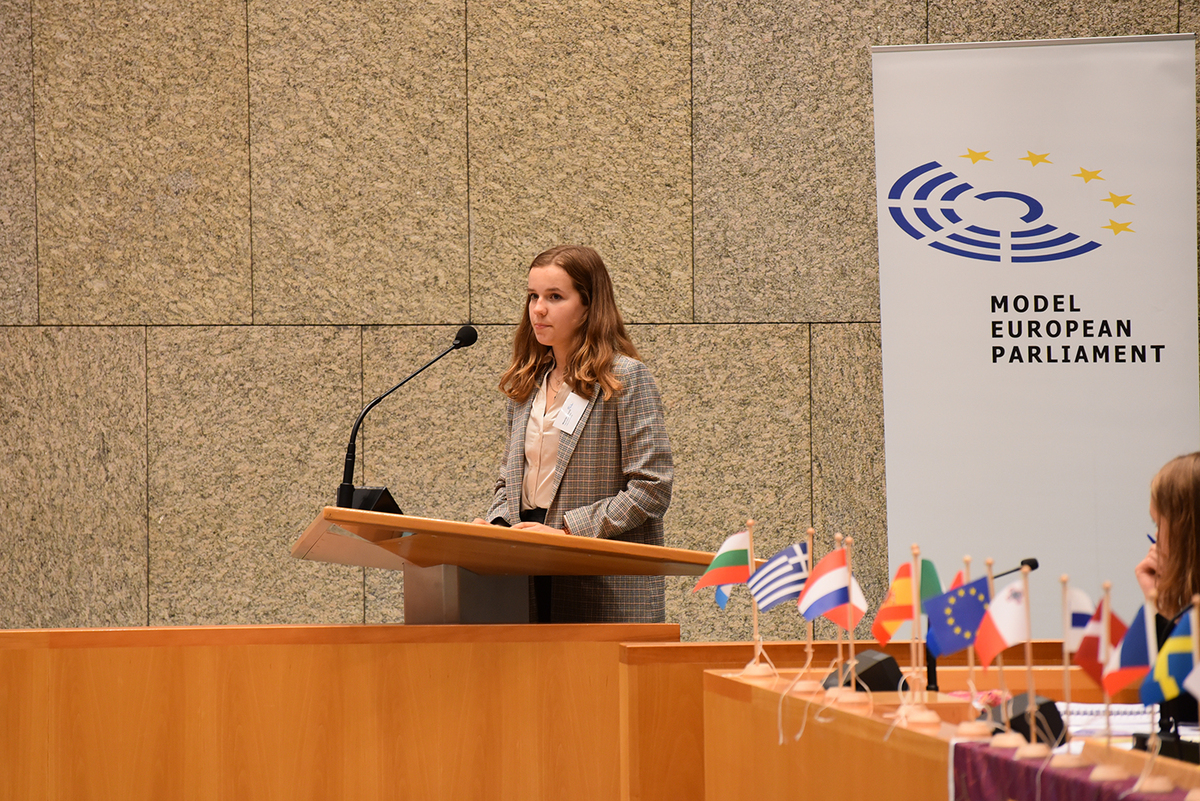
x,y
954,617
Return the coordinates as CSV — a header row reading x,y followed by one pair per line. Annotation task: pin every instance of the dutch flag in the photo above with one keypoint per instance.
x,y
831,591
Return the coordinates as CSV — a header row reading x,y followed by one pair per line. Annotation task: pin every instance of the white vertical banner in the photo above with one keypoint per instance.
x,y
1037,274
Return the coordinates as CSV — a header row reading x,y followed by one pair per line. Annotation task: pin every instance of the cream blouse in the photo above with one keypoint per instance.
x,y
541,447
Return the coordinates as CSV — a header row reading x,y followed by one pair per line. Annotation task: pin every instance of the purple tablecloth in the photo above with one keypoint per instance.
x,y
982,773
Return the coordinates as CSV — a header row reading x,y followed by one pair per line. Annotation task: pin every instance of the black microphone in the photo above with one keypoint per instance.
x,y
350,497
465,338
1030,563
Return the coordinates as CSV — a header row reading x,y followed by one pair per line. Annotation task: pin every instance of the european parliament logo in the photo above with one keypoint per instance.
x,y
938,207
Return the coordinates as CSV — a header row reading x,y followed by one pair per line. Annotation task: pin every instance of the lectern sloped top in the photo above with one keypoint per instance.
x,y
378,539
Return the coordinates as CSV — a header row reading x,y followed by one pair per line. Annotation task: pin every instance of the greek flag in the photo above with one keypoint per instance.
x,y
781,578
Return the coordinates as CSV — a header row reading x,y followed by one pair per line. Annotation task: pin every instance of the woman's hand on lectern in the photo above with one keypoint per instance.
x,y
531,526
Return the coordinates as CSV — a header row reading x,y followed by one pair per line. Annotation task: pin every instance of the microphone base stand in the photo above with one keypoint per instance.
x,y
371,499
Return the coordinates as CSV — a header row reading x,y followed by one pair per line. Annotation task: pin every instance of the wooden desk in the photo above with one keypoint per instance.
x,y
366,712
843,752
844,757
663,701
314,712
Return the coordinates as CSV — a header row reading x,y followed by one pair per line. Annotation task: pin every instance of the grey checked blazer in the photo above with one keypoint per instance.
x,y
613,477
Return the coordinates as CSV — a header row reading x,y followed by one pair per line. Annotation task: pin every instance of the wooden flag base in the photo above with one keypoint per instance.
x,y
1108,772
756,669
1032,751
1069,761
806,687
845,695
922,718
1008,739
973,730
1154,784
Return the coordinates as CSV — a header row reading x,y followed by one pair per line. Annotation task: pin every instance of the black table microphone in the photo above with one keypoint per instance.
x,y
1030,563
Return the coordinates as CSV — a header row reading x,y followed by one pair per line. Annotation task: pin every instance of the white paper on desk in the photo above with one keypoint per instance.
x,y
1074,746
1087,720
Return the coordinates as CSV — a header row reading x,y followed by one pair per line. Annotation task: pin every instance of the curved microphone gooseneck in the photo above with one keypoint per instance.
x,y
465,338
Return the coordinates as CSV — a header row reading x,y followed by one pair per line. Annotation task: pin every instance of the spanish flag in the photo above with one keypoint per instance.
x,y
897,607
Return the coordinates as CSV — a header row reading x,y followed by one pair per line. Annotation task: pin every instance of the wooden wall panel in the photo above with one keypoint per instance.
x,y
24,721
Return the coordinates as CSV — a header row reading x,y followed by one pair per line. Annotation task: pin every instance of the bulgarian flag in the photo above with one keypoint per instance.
x,y
897,607
730,565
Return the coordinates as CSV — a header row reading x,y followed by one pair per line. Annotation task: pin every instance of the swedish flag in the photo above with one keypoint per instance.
x,y
1172,667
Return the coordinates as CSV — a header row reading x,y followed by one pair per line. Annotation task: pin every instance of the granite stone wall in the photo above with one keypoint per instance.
x,y
225,226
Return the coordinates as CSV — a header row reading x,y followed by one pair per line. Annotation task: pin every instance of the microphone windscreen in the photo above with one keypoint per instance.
x,y
1031,563
465,337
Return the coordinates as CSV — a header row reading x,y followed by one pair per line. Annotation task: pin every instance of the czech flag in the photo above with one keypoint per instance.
x,y
960,579
1130,660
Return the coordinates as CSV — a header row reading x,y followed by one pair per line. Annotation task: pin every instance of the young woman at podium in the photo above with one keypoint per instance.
x,y
587,453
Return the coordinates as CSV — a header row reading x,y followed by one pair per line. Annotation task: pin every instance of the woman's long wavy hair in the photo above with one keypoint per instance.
x,y
1175,495
601,337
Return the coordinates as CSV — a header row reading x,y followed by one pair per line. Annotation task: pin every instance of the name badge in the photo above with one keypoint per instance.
x,y
569,414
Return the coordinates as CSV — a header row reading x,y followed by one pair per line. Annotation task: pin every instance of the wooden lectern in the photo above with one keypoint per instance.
x,y
475,573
